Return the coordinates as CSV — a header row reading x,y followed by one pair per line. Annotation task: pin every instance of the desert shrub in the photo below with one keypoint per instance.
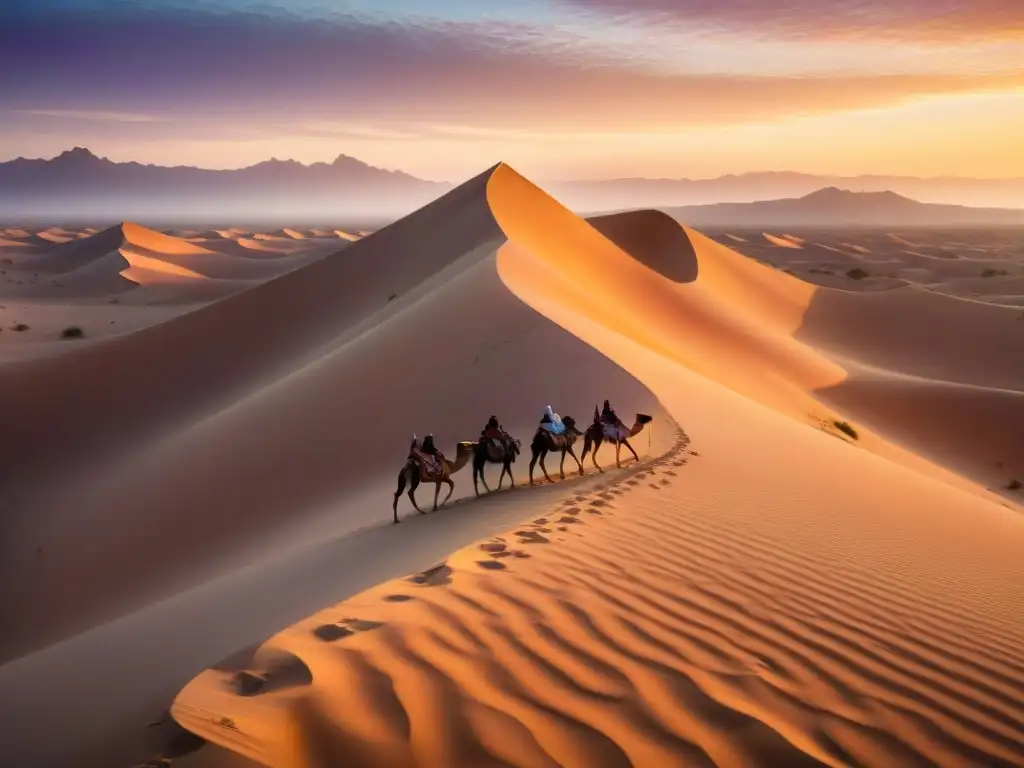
x,y
20,327
74,332
1015,485
856,273
846,429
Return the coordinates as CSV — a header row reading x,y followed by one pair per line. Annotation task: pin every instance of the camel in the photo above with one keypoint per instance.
x,y
544,442
486,452
410,474
595,435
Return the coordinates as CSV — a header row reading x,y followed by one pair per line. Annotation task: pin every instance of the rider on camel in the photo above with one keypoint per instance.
x,y
426,454
552,422
608,415
494,431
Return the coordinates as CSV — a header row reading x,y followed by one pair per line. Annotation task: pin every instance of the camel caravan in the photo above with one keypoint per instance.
x,y
555,434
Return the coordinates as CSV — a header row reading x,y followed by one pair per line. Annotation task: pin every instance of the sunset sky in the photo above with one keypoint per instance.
x,y
557,88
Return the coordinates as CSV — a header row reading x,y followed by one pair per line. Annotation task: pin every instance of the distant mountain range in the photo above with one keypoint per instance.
x,y
78,186
616,194
832,207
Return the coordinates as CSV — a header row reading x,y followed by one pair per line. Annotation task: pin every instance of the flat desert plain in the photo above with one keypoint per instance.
x,y
816,558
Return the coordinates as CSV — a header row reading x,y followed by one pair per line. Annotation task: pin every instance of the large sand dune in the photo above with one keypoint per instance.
x,y
760,591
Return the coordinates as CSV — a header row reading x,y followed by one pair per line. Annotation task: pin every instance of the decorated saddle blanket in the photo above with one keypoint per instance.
x,y
614,431
560,442
431,467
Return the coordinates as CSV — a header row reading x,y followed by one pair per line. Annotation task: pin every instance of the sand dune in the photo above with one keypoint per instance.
x,y
680,615
761,590
782,242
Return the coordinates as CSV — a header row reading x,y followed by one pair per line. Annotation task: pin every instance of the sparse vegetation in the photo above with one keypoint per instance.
x,y
989,272
856,273
1014,485
74,332
19,327
846,428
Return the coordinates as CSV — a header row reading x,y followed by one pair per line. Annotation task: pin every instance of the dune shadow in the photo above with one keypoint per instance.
x,y
654,239
949,399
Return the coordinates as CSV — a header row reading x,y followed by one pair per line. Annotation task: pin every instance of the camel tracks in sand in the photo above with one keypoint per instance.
x,y
344,628
491,565
660,640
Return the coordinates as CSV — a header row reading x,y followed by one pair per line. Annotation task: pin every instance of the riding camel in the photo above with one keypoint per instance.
x,y
413,473
545,442
600,431
491,451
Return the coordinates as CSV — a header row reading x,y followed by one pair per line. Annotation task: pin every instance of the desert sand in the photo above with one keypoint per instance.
x,y
982,265
126,277
815,562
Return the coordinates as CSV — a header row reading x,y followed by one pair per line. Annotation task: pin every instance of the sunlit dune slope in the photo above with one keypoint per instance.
x,y
777,596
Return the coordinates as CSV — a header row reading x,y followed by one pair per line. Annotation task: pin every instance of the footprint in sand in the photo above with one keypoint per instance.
x,y
670,473
491,565
432,577
398,598
594,512
572,511
694,453
655,486
665,482
531,537
344,628
569,520
599,503
493,547
541,520
633,482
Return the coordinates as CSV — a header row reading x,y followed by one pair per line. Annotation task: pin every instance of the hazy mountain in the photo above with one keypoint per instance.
x,y
617,194
832,207
79,185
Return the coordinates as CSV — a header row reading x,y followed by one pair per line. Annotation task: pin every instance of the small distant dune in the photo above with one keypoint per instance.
x,y
781,242
56,236
902,241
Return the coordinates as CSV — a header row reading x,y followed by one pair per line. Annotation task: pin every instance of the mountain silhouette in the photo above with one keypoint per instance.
x,y
834,207
77,184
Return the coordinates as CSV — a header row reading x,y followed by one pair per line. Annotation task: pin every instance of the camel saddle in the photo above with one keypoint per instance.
x,y
616,431
558,442
431,468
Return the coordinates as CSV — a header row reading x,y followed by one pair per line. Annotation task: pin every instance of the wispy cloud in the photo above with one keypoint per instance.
x,y
94,115
906,20
351,77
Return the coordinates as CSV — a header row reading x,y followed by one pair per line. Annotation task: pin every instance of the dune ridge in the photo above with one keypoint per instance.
x,y
722,603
